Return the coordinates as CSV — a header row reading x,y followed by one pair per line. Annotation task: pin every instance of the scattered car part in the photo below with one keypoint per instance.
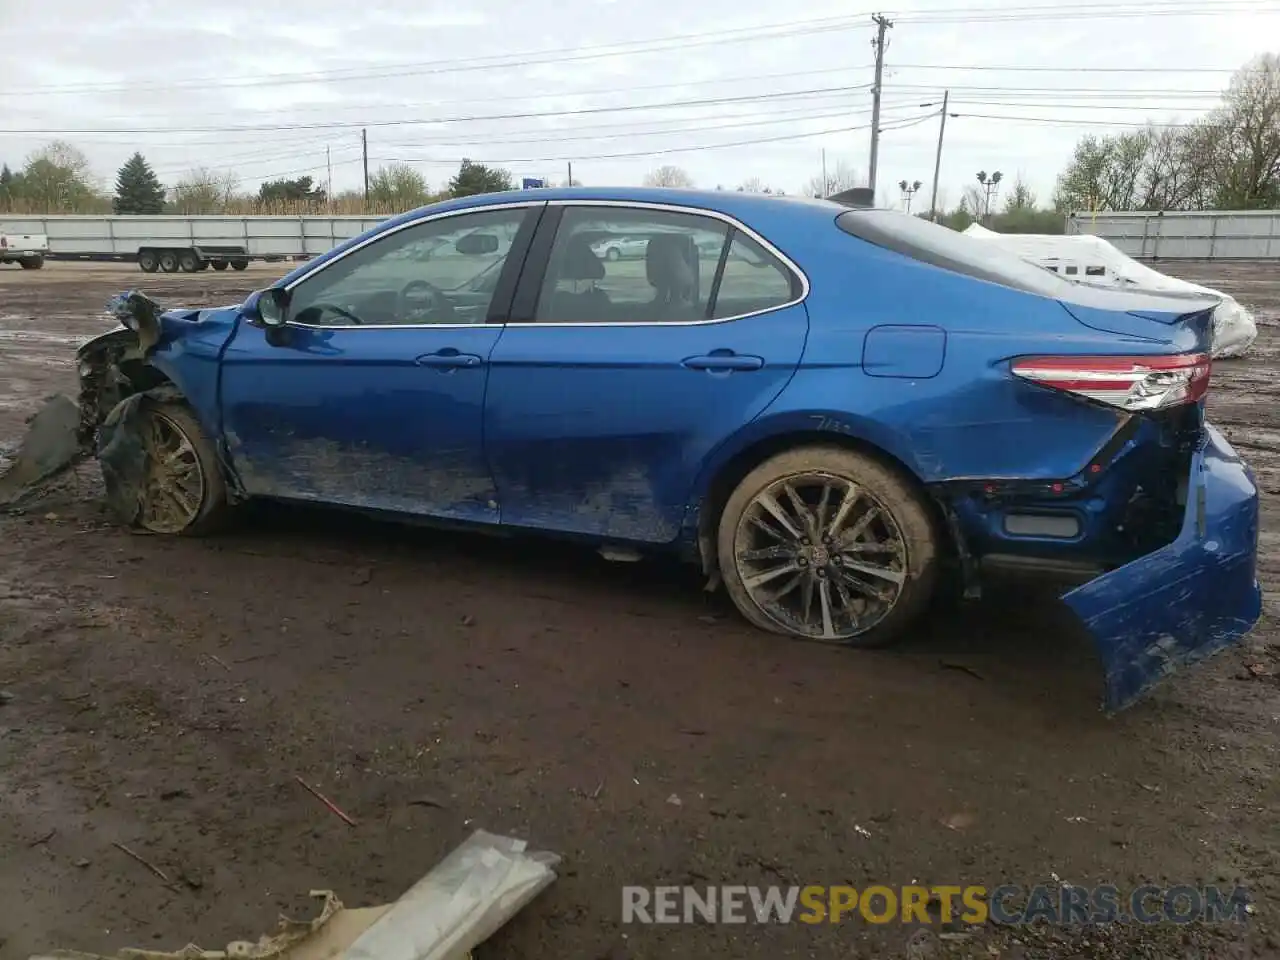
x,y
459,904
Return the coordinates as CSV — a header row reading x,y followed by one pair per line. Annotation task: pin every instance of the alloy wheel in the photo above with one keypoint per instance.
x,y
820,556
174,488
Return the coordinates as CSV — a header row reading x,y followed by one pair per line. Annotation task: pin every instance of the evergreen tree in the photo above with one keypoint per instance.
x,y
474,178
138,190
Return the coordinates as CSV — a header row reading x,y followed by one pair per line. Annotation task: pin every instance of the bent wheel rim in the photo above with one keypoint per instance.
x,y
820,556
174,487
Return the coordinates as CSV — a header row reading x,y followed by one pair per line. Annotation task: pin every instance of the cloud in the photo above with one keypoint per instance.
x,y
509,78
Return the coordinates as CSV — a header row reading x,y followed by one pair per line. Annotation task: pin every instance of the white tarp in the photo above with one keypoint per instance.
x,y
1091,259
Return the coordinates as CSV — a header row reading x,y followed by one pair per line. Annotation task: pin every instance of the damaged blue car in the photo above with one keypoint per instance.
x,y
824,405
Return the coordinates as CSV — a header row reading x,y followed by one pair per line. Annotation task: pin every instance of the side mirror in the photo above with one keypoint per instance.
x,y
476,244
267,308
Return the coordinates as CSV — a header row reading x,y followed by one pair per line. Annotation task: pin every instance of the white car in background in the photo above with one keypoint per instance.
x,y
621,248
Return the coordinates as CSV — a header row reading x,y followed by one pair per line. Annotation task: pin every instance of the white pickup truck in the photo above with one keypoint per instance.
x,y
27,249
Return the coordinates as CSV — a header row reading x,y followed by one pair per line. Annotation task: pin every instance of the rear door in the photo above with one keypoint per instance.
x,y
617,377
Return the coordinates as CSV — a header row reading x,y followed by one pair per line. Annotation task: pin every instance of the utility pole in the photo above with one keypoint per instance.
x,y
937,160
826,184
328,183
364,149
882,23
570,183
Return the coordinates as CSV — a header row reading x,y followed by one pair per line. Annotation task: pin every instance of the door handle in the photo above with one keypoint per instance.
x,y
724,360
449,359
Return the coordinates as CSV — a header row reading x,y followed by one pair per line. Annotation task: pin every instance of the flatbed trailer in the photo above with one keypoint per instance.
x,y
189,244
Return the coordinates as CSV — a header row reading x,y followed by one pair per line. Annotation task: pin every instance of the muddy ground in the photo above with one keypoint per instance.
x,y
164,695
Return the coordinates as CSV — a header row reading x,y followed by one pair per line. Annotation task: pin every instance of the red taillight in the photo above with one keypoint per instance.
x,y
1130,383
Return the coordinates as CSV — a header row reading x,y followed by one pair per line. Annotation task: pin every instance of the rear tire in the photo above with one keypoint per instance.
x,y
168,261
31,263
239,264
148,261
855,567
219,264
188,261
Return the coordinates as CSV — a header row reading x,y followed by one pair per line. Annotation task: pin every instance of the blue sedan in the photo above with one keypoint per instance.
x,y
825,406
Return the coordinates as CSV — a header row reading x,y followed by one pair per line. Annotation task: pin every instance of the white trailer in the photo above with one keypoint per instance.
x,y
170,244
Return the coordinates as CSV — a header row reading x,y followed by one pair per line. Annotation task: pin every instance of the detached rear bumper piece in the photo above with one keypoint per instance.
x,y
1188,600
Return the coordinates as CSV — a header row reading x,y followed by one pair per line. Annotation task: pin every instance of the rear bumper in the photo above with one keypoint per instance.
x,y
1185,601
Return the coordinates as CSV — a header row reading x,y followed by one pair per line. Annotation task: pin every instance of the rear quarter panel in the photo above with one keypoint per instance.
x,y
970,418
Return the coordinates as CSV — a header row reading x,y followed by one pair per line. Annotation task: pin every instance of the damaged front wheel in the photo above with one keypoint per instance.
x,y
160,469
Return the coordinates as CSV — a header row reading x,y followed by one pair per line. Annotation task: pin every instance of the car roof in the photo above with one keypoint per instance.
x,y
723,201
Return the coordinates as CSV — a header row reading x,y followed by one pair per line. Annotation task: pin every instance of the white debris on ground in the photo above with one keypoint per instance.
x,y
463,901
1091,259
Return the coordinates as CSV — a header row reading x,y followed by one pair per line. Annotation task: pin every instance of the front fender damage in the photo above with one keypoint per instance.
x,y
114,377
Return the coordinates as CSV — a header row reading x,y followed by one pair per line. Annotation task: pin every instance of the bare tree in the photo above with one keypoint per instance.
x,y
973,201
1021,197
1249,124
203,191
57,178
668,176
840,177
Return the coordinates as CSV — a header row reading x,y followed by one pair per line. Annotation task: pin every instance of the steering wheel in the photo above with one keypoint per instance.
x,y
436,306
344,313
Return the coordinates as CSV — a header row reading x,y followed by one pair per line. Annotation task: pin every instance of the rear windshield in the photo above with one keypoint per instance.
x,y
943,247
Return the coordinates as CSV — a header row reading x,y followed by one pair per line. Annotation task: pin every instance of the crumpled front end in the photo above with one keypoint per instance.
x,y
111,368
1188,600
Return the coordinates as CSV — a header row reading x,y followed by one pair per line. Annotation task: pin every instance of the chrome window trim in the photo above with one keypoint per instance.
x,y
733,222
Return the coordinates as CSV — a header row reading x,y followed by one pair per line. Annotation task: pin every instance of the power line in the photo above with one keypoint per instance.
x,y
1077,106
651,153
1063,121
1042,69
555,55
662,44
549,95
1154,11
582,111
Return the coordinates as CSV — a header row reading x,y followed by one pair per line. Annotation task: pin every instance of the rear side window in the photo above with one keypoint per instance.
x,y
753,280
942,247
643,265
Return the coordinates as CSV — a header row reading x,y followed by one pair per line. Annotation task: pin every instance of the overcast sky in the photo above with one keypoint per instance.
x,y
112,77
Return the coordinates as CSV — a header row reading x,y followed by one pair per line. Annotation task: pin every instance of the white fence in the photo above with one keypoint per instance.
x,y
1186,235
123,236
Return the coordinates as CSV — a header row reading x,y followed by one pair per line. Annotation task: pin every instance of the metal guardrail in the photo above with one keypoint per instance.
x,y
1186,235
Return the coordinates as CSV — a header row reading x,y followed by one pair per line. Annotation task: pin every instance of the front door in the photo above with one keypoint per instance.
x,y
603,408
372,395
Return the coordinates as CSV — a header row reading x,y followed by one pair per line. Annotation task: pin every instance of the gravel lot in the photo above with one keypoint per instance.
x,y
164,695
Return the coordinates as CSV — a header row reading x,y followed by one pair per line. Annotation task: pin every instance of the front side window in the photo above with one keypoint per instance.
x,y
441,271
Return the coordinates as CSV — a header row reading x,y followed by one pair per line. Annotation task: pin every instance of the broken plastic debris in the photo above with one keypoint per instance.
x,y
462,902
